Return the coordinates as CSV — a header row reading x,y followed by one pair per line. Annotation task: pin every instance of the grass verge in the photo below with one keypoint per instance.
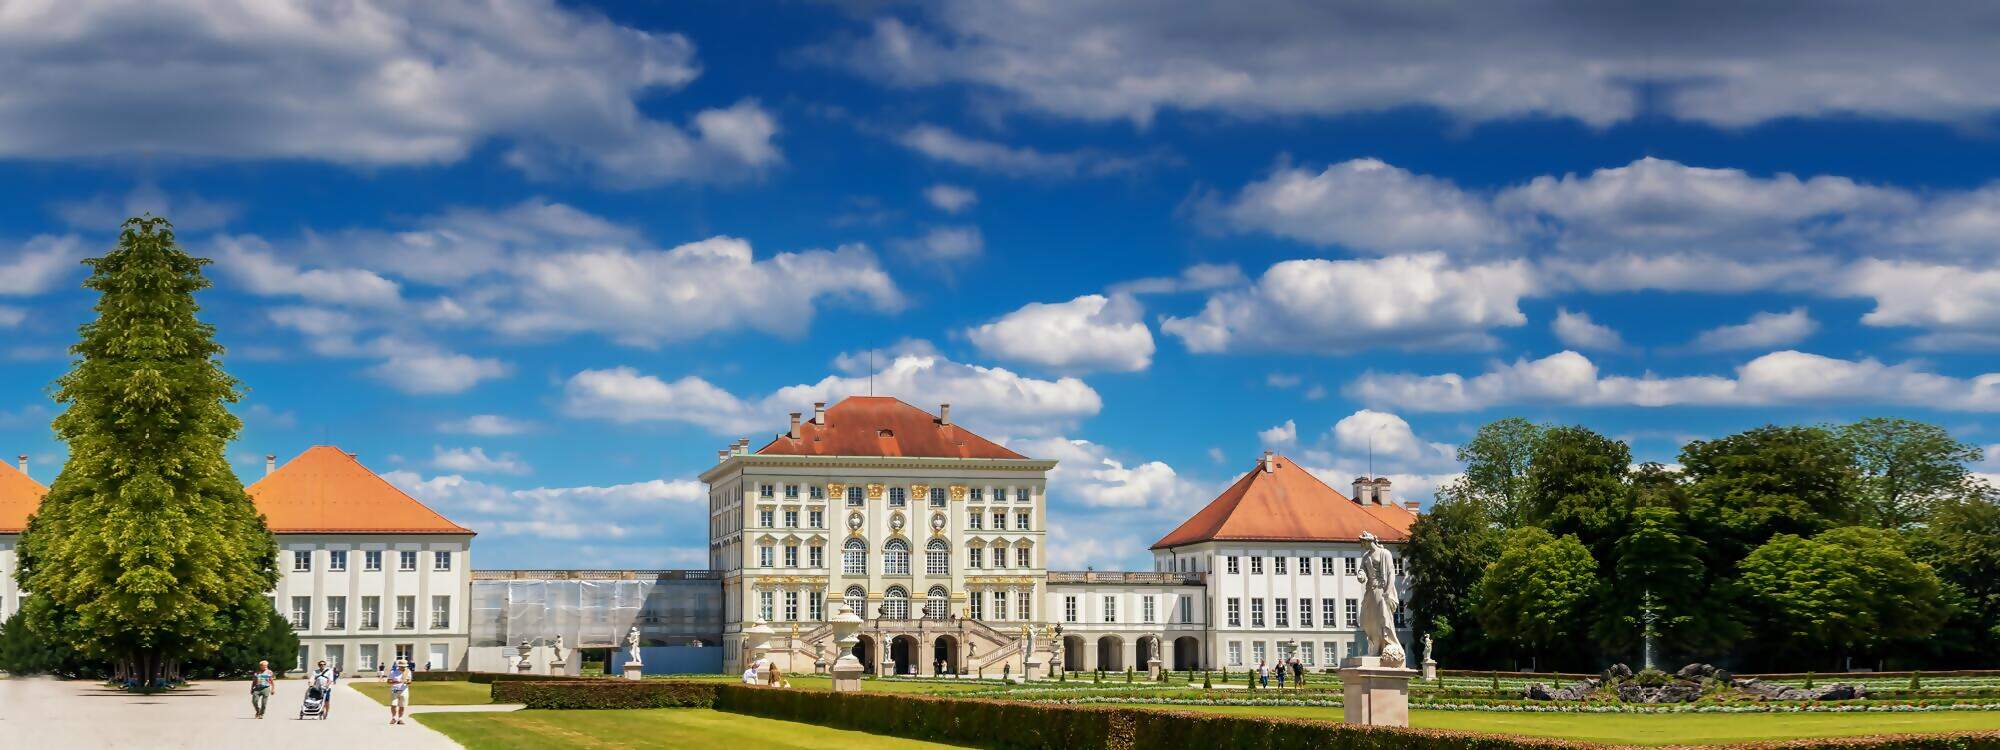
x,y
649,728
431,693
1659,729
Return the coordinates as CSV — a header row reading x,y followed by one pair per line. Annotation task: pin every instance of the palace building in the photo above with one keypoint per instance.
x,y
19,496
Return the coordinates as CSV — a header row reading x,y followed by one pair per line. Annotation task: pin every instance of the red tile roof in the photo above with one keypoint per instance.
x,y
19,497
1288,504
883,426
327,491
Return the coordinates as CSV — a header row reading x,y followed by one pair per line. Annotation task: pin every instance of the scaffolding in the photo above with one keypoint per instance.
x,y
596,612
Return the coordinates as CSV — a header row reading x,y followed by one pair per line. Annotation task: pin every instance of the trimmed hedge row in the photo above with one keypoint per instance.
x,y
603,694
1001,725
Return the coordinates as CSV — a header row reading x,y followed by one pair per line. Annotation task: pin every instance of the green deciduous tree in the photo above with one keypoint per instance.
x,y
1904,467
1961,542
1657,566
1747,487
1496,469
146,552
1449,548
1537,594
1576,485
1842,592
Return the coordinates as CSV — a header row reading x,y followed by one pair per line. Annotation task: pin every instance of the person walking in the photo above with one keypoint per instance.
x,y
399,678
1298,673
1263,674
1280,669
323,679
261,684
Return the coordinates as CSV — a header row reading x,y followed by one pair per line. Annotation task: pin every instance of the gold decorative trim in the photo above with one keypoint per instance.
x,y
958,492
836,490
920,492
875,491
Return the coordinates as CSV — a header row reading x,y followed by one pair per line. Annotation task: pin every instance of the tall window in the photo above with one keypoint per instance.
x,y
896,558
898,497
937,558
766,602
976,519
1230,565
1353,613
1281,611
406,560
440,612
302,560
1399,568
999,520
1024,604
816,556
854,496
999,557
817,517
1257,612
302,609
856,600
1305,613
336,560
1187,610
977,605
854,559
1332,652
441,561
791,492
937,497
1399,614
1235,653
1328,616
1069,609
791,606
1256,565
999,605
791,555
1021,522
1235,612
815,605
1146,613
791,518
975,558
1278,565
1023,557
371,612
937,603
1257,651
1110,609
371,560
1353,569
406,613
1306,653
336,613
1326,566
815,492
896,604
764,516
764,555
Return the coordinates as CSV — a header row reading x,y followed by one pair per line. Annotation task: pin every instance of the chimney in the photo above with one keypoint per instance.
x,y
270,463
1411,505
944,414
24,463
722,455
1265,464
1364,490
742,446
1382,492
819,413
795,426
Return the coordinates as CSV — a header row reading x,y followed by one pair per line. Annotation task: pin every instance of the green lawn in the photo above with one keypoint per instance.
x,y
1661,729
651,728
814,682
431,693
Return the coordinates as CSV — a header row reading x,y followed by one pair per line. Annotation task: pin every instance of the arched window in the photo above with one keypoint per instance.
x,y
857,600
854,558
938,604
896,604
937,558
896,558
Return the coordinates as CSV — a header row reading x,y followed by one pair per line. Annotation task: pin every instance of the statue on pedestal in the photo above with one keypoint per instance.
x,y
1379,601
632,644
1427,648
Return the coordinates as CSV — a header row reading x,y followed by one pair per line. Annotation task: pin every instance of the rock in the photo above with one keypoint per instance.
x,y
1675,692
1839,692
1618,672
1575,691
1772,691
1537,692
1695,672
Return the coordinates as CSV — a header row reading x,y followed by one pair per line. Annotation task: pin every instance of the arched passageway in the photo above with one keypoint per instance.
x,y
944,655
1073,653
1187,653
903,654
864,650
1111,654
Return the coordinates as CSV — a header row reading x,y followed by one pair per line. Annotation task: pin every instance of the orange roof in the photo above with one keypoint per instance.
x,y
326,491
883,426
20,495
1288,504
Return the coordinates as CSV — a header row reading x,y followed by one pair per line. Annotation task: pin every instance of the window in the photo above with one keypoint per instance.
x,y
937,497
791,492
1278,565
999,520
1187,610
1305,613
937,558
1281,611
817,517
1146,610
1399,567
406,559
1328,615
765,553
1257,652
1023,558
1024,494
302,560
1257,612
371,613
764,518
896,604
937,603
1069,609
1110,609
1306,653
1024,604
898,497
336,613
440,561
766,605
1399,614
896,559
1235,653
856,600
1256,565
1326,566
854,496
816,556
302,609
1021,522
440,612
999,605
1353,613
1352,568
854,559
976,494
370,654
975,558
815,492
766,490
977,603
975,520
791,518
336,560
1305,566
791,606
791,555
406,653
815,605
406,612
999,557
1235,612
371,560
1231,567
1332,653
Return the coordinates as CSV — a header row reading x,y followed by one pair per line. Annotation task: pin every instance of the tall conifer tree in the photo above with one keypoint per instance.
x,y
146,552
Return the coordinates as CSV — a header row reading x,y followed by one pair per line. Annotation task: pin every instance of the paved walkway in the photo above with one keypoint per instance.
x,y
48,714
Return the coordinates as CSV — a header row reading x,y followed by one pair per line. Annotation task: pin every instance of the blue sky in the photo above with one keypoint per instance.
x,y
536,261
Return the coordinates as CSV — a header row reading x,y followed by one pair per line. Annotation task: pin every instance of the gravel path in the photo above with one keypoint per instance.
x,y
50,714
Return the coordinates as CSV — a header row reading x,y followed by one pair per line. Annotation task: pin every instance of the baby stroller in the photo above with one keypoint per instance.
x,y
319,693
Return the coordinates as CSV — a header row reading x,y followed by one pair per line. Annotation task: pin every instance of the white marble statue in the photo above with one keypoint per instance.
x,y
1379,601
1427,648
632,643
556,651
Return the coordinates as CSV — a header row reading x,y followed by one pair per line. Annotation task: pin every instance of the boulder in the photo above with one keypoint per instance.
x,y
1695,672
1617,672
1575,691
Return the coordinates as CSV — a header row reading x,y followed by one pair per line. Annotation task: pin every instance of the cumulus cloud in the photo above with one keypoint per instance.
x,y
1956,304
1092,333
553,513
1279,437
950,199
1000,401
105,212
429,372
1784,377
1391,441
368,84
1364,205
474,460
1090,475
1763,330
486,425
1577,330
1322,305
39,264
252,263
1097,60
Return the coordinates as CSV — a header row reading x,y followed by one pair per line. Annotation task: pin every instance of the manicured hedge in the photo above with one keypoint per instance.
x,y
603,694
1001,725
1176,730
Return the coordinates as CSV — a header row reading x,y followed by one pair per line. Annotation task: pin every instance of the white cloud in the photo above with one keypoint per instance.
x,y
1100,60
1391,442
250,261
1785,377
554,513
426,372
12,316
950,199
1764,330
623,394
1364,205
1333,306
487,425
368,84
1283,380
40,264
1200,277
1951,301
105,212
1687,272
474,460
944,245
941,144
1091,333
1280,437
1088,475
1578,331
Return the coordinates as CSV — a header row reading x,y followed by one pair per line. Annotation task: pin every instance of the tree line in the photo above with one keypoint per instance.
x,y
1781,548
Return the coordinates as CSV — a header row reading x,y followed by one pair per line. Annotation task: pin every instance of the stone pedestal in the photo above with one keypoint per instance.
x,y
1036,670
1430,670
1375,694
557,667
634,670
847,676
1153,669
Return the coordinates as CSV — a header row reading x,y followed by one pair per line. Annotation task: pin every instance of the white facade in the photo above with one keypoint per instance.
x,y
10,592
1118,621
361,600
1269,601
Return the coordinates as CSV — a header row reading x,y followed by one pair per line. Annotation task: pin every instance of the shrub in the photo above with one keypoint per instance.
x,y
603,694
1206,685
1002,725
1916,680
1651,678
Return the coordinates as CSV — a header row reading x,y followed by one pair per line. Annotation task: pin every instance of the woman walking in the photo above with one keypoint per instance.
x,y
399,691
260,687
